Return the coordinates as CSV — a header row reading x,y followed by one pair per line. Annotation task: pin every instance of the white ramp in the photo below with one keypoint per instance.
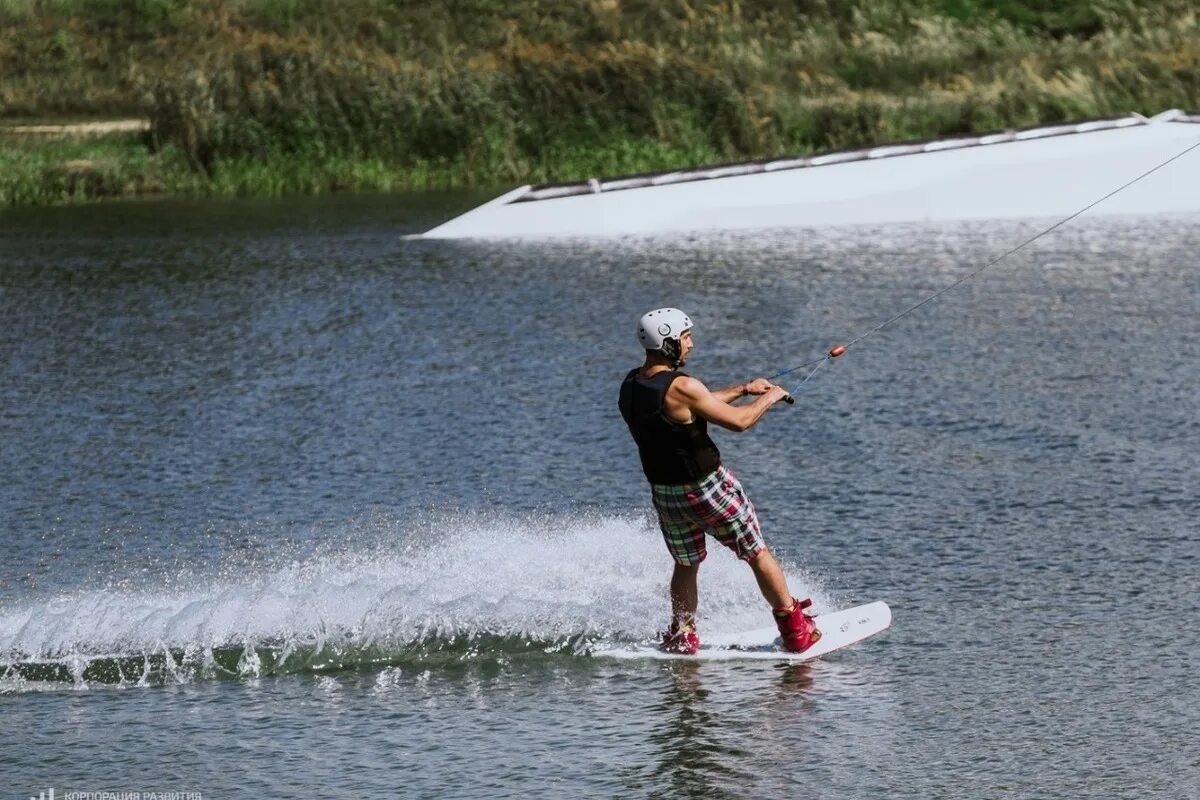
x,y
1039,172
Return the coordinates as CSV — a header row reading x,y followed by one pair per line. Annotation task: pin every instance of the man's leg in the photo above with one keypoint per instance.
x,y
771,581
796,628
741,532
684,595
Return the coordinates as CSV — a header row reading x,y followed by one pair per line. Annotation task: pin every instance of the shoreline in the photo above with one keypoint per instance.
x,y
63,163
46,164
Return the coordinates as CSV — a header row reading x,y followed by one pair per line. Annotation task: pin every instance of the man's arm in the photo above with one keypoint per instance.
x,y
696,398
731,393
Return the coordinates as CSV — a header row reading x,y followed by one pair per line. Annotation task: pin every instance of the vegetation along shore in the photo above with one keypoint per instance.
x,y
274,97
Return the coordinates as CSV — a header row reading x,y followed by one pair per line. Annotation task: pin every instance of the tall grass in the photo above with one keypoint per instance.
x,y
280,96
58,171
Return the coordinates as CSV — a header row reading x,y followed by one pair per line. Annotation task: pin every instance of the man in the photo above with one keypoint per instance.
x,y
668,412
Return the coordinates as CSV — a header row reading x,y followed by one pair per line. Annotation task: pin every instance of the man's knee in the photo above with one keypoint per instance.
x,y
762,560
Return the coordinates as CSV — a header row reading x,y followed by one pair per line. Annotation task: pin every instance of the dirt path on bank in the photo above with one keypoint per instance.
x,y
96,128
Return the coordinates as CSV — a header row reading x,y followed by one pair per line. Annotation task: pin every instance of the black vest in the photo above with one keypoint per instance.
x,y
672,453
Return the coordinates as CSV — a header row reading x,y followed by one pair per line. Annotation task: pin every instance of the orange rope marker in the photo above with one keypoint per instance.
x,y
837,350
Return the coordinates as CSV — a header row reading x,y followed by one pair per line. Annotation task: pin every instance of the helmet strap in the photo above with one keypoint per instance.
x,y
671,349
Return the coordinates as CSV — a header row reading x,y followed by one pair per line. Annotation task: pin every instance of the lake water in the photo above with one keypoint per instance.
x,y
293,506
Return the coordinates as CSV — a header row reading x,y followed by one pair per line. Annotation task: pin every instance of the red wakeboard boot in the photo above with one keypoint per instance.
x,y
797,629
681,639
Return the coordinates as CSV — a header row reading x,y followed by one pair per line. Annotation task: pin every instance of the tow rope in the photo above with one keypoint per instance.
x,y
838,349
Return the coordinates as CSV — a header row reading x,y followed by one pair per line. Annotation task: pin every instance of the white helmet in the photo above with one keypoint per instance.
x,y
663,326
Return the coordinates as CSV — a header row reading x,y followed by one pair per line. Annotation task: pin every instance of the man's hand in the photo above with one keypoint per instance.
x,y
760,386
775,393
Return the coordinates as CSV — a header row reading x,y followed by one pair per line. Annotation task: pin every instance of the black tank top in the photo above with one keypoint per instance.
x,y
672,453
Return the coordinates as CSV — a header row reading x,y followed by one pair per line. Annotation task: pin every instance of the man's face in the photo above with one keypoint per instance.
x,y
685,346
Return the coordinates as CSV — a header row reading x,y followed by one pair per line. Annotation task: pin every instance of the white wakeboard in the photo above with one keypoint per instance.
x,y
838,629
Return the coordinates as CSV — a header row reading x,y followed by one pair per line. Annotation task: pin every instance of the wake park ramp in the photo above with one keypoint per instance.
x,y
1049,171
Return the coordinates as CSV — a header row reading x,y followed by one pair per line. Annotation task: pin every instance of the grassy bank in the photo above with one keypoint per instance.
x,y
290,96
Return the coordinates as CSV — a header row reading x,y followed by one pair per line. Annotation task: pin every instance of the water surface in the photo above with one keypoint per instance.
x,y
284,488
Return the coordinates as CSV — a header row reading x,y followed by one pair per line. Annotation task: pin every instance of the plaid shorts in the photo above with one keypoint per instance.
x,y
715,504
